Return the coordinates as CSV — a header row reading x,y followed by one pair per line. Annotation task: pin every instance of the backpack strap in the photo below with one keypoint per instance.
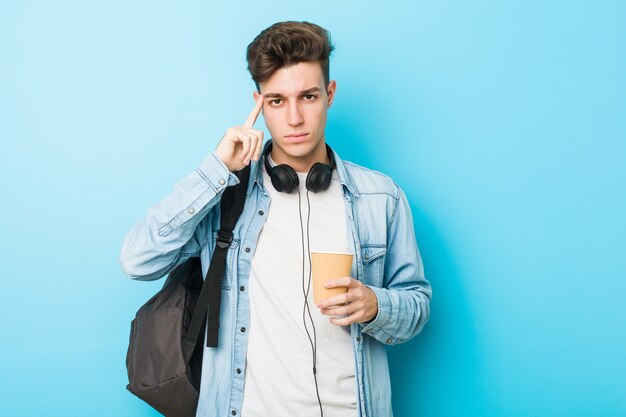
x,y
231,206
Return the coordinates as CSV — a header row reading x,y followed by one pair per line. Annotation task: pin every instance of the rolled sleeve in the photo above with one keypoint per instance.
x,y
375,328
213,170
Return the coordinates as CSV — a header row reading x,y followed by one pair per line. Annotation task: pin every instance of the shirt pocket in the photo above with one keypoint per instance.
x,y
373,258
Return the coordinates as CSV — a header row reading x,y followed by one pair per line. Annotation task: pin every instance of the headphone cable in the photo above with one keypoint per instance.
x,y
305,293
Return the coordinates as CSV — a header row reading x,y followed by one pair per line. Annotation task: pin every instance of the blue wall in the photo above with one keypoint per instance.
x,y
505,123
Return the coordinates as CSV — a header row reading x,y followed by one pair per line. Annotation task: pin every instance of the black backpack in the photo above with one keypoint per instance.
x,y
164,358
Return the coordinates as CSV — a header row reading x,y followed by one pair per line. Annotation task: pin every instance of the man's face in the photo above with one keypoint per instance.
x,y
295,104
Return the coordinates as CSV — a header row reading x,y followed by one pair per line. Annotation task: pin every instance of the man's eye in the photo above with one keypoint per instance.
x,y
275,101
310,96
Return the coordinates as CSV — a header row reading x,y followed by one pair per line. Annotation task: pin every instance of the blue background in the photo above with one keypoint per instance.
x,y
504,122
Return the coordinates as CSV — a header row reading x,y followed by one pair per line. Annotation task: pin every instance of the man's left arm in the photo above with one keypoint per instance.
x,y
399,310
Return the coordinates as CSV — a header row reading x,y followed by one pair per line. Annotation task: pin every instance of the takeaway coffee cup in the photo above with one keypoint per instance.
x,y
326,266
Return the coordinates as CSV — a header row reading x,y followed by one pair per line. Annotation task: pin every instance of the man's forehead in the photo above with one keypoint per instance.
x,y
294,80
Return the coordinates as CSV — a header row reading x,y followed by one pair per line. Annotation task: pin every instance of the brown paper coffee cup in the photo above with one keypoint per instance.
x,y
326,266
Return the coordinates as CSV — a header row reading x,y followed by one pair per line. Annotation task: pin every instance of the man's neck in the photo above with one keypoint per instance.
x,y
302,164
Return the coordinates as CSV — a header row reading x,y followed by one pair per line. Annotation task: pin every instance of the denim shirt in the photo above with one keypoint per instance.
x,y
387,260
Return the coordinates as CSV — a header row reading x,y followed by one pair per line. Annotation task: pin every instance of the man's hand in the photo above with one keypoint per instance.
x,y
240,144
359,303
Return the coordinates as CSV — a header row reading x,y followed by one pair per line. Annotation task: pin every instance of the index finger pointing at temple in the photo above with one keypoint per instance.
x,y
255,112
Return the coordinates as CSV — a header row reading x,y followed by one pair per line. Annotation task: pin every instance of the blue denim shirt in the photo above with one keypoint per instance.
x,y
387,260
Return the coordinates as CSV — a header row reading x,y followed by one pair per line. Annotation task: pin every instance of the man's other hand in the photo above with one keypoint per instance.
x,y
359,304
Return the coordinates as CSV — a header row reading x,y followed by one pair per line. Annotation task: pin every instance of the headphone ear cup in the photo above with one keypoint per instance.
x,y
319,177
284,178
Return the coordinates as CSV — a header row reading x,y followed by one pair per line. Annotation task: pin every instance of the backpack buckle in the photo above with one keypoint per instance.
x,y
224,239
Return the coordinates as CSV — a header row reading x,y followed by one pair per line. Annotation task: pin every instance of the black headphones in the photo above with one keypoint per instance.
x,y
285,179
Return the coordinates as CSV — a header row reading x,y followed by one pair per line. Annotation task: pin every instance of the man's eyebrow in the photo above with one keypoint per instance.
x,y
302,93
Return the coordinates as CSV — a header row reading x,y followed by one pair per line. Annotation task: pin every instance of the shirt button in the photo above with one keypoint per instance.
x,y
191,210
358,338
222,182
243,330
233,412
388,341
247,249
242,288
238,370
261,212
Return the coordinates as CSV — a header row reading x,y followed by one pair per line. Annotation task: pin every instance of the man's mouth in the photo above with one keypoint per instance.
x,y
296,137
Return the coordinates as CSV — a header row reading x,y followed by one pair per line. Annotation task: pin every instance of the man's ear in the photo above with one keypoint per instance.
x,y
330,90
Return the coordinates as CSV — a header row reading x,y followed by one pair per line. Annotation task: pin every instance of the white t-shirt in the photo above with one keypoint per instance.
x,y
279,362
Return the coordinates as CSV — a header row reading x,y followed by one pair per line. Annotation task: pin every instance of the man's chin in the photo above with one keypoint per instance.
x,y
289,147
297,150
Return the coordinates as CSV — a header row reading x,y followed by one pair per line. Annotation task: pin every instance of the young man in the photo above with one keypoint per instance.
x,y
269,341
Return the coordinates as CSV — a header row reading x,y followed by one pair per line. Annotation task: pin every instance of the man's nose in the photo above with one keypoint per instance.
x,y
294,117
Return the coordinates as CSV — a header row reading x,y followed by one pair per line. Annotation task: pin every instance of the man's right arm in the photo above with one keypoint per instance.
x,y
153,245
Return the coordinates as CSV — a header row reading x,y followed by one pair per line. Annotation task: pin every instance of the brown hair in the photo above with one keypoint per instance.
x,y
288,43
